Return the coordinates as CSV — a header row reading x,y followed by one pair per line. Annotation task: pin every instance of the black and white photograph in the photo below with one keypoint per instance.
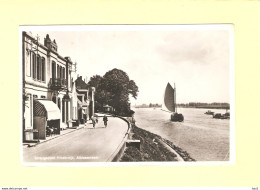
x,y
127,93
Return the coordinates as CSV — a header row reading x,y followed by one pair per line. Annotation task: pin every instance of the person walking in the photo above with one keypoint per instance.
x,y
105,120
93,121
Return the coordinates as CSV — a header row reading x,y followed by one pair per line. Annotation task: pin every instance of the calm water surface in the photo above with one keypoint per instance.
x,y
204,138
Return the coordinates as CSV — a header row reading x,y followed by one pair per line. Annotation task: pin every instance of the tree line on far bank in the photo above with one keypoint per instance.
x,y
113,89
217,105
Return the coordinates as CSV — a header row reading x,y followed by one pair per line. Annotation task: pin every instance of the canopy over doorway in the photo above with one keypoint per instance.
x,y
46,113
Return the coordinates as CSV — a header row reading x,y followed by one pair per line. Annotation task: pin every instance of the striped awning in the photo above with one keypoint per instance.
x,y
46,108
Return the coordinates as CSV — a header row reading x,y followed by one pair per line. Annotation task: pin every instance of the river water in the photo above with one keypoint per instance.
x,y
204,138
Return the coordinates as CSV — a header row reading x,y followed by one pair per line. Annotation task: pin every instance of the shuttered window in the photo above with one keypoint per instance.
x,y
64,76
38,72
58,71
43,69
53,69
34,65
61,72
28,65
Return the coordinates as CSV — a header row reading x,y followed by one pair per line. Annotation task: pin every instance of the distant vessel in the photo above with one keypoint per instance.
x,y
169,103
226,115
222,116
209,112
217,116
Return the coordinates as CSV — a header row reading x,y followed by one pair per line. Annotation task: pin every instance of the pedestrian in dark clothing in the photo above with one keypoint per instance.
x,y
105,120
93,121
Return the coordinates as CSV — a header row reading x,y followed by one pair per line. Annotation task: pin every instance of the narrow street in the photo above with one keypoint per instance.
x,y
84,145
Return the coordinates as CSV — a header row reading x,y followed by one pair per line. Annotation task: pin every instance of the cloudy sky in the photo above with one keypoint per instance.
x,y
197,58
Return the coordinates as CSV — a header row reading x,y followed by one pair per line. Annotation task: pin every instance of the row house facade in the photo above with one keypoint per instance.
x,y
85,98
48,94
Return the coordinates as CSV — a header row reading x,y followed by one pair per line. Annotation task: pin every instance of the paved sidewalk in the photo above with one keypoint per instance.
x,y
88,125
87,144
63,132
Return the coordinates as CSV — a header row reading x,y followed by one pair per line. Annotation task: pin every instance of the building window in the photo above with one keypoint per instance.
x,y
38,68
28,65
58,71
43,69
63,110
31,109
69,79
53,69
64,76
34,65
61,72
61,76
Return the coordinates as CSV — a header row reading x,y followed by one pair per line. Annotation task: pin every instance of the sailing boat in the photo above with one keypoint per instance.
x,y
169,103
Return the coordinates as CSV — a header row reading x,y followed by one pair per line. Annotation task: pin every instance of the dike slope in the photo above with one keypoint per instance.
x,y
153,148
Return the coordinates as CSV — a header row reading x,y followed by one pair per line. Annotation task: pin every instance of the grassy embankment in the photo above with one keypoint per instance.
x,y
152,149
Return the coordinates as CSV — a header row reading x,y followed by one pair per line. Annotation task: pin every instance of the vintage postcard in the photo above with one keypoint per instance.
x,y
127,94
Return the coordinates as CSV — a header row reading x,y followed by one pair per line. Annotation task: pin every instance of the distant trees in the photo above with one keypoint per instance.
x,y
216,105
201,104
154,105
220,105
149,106
114,89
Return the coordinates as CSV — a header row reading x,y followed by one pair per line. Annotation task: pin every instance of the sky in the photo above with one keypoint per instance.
x,y
196,59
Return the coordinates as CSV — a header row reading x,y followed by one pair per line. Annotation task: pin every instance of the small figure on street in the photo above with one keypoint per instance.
x,y
49,131
105,120
96,119
93,121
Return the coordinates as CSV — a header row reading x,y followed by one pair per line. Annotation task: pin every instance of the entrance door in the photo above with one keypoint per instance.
x,y
28,113
63,111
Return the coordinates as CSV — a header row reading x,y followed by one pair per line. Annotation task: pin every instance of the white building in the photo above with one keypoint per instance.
x,y
47,88
85,100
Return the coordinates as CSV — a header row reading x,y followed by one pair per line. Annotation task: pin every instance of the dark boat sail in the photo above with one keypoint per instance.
x,y
170,103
